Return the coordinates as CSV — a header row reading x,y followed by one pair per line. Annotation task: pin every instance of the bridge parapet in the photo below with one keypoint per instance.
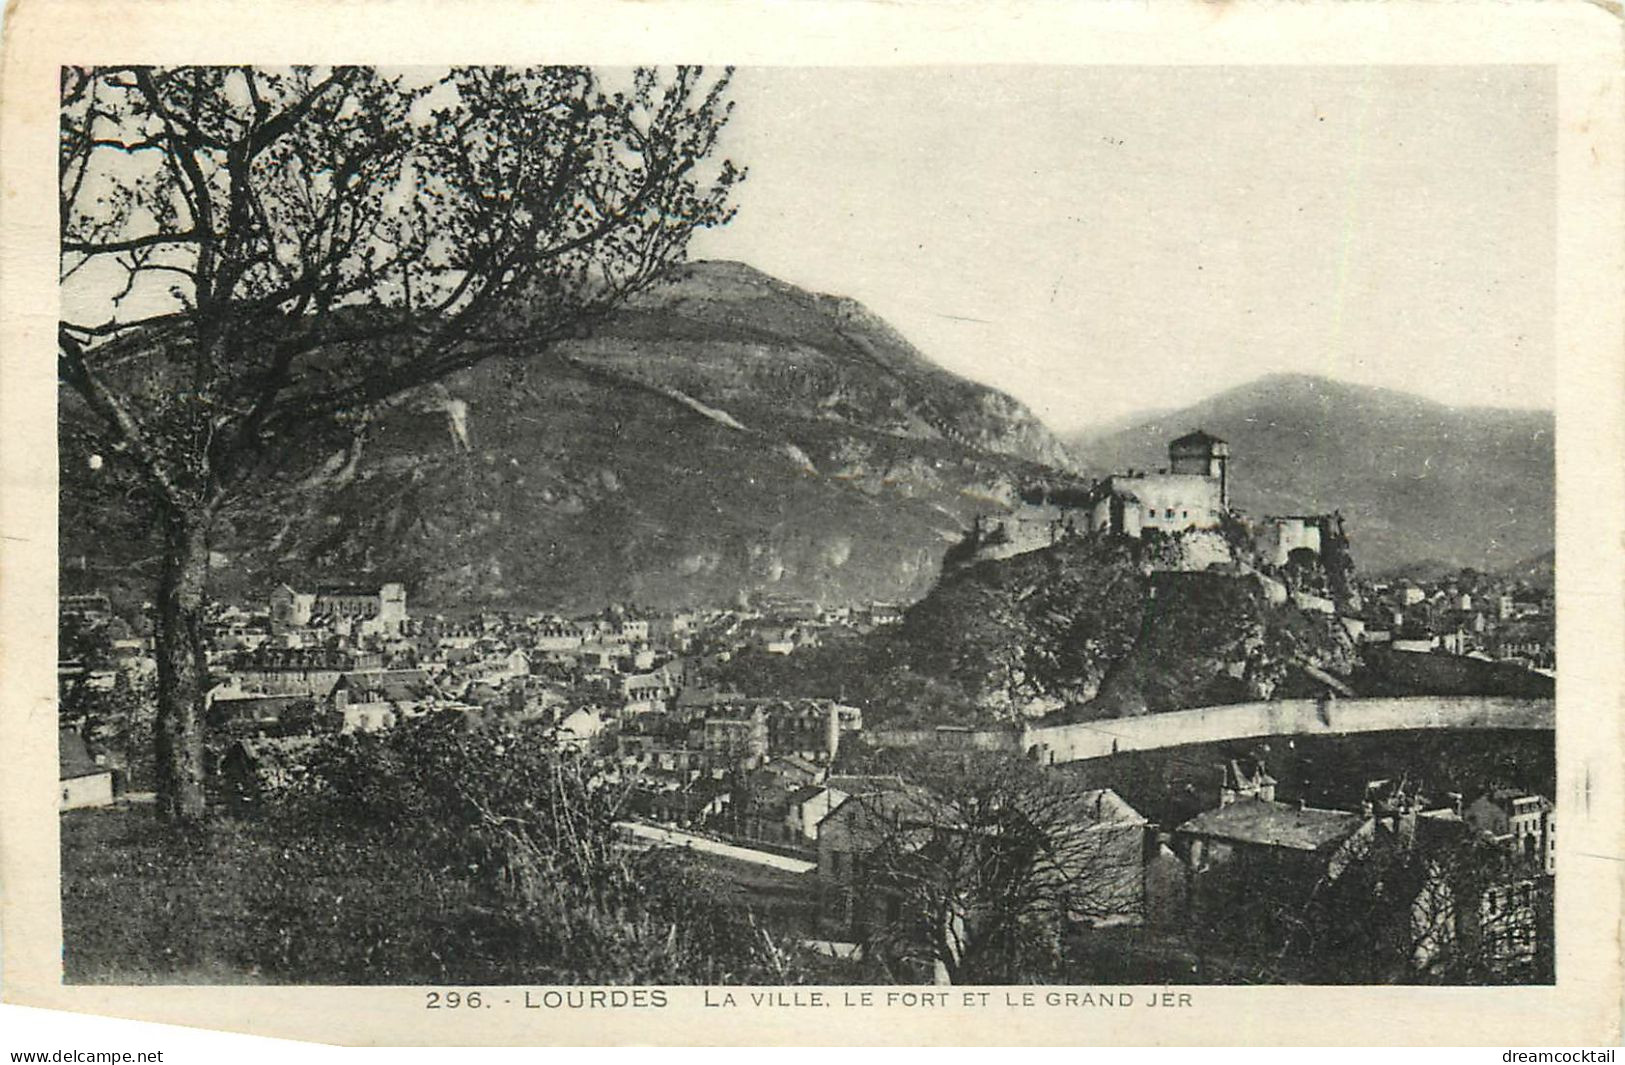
x,y
1286,717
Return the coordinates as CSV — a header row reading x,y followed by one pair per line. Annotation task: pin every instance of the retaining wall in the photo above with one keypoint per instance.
x,y
1286,717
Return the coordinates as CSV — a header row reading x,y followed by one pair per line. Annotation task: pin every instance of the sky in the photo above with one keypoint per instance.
x,y
1103,241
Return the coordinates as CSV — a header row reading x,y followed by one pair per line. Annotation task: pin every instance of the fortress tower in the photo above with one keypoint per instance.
x,y
1204,455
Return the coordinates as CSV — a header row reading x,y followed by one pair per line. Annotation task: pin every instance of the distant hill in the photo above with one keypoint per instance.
x,y
724,434
1418,481
1539,571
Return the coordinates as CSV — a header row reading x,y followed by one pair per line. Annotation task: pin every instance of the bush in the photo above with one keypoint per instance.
x,y
434,853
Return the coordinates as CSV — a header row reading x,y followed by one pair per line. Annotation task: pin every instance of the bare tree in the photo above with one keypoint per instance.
x,y
1440,904
981,870
247,254
1413,900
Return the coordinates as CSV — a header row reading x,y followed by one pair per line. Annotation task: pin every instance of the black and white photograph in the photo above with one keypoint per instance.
x,y
915,526
828,525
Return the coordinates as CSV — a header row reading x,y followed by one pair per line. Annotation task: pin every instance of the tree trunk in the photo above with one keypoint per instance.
x,y
182,667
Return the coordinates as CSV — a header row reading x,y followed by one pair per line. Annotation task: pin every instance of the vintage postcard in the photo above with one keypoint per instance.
x,y
741,523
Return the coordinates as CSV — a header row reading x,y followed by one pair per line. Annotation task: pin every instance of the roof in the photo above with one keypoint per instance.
x,y
807,793
1274,824
1105,806
350,588
1197,438
793,761
1504,797
864,785
390,685
905,806
276,752
73,756
781,705
670,838
238,701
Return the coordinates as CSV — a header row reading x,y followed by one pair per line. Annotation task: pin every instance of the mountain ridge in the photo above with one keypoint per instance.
x,y
727,433
724,434
1417,479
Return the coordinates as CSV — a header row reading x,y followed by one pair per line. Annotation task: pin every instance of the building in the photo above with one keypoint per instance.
x,y
1530,642
733,730
378,699
93,607
1522,823
1087,857
581,728
378,610
1193,492
655,690
232,711
555,637
805,810
1281,534
877,812
275,671
82,778
809,728
1249,835
738,738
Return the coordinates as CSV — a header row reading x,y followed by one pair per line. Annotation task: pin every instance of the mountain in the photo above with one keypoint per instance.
x,y
724,433
1538,572
1416,480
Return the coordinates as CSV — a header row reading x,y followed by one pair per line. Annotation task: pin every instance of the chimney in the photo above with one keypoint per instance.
x,y
832,732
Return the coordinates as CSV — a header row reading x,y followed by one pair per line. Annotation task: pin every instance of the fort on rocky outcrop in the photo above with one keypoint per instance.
x,y
1188,501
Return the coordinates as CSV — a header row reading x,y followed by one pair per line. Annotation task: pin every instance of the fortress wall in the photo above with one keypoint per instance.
x,y
985,739
1212,724
1068,743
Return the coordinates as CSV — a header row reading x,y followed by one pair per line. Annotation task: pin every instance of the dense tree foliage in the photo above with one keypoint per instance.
x,y
434,853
